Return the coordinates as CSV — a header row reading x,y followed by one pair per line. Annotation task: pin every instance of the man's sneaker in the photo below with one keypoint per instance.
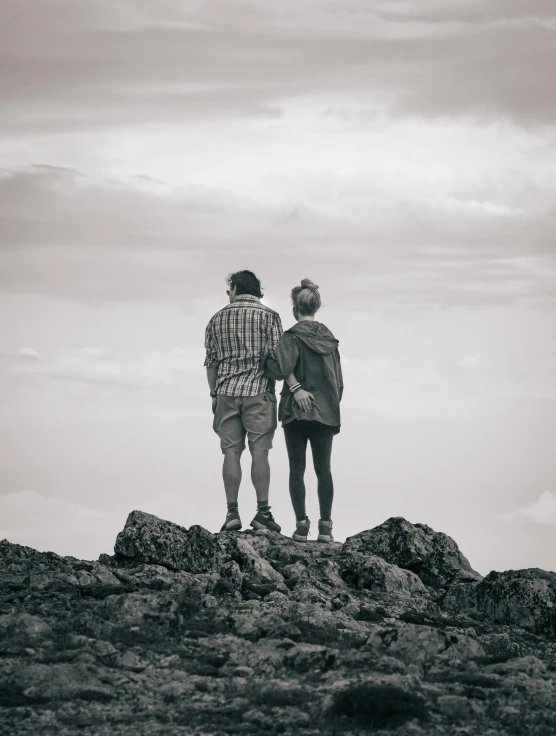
x,y
301,530
325,531
232,523
265,520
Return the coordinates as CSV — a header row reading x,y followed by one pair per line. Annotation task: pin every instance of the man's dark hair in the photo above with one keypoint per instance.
x,y
246,283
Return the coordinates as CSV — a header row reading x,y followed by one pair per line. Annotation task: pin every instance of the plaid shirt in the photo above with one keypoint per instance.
x,y
234,340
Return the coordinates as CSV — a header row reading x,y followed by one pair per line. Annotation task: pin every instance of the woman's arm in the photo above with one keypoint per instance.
x,y
302,397
340,378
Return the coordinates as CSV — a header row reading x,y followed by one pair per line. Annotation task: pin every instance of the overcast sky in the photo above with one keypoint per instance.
x,y
400,154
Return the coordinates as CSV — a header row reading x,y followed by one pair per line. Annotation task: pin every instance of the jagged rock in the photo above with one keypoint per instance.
x,y
283,551
431,555
264,624
460,597
41,683
132,609
146,538
321,576
20,631
531,666
251,563
15,555
370,572
458,708
173,692
23,568
423,644
305,657
525,598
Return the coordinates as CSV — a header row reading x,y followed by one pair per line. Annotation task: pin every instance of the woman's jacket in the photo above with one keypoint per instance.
x,y
310,351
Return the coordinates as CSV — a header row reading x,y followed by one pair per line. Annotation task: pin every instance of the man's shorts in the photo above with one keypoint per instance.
x,y
237,416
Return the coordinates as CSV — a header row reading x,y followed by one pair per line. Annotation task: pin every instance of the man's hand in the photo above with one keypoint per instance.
x,y
214,400
303,399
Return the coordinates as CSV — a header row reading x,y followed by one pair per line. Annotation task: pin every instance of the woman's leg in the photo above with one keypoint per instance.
x,y
321,447
296,445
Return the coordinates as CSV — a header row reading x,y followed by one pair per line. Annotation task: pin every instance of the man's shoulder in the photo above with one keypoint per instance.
x,y
220,312
258,306
270,311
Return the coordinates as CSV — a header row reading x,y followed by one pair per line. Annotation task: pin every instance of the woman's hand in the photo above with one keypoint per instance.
x,y
303,399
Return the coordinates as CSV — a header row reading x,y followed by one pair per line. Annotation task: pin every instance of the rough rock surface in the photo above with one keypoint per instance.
x,y
187,632
526,598
148,539
432,556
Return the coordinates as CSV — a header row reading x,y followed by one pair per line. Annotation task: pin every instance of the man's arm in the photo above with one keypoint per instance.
x,y
212,375
276,333
211,359
271,367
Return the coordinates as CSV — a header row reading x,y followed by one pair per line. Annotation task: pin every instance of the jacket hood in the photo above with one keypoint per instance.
x,y
315,335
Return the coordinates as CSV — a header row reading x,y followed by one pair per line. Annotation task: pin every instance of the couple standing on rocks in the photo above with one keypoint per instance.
x,y
246,352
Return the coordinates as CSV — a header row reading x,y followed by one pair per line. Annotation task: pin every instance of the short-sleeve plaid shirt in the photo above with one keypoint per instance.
x,y
234,340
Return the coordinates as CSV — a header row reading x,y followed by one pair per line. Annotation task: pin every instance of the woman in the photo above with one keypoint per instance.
x,y
308,361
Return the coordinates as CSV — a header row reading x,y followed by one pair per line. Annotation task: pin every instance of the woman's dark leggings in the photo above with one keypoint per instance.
x,y
320,436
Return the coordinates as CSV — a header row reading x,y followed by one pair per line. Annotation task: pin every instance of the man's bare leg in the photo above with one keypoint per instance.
x,y
231,473
260,475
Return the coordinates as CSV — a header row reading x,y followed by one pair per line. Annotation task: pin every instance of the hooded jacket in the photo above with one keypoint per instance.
x,y
310,351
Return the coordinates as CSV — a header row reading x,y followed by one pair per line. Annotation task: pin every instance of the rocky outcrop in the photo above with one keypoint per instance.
x,y
524,598
432,556
145,538
369,572
186,632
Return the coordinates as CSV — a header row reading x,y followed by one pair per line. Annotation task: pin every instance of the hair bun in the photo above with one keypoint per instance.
x,y
306,298
308,284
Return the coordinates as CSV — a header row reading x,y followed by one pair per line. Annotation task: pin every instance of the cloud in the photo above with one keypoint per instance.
x,y
421,387
54,524
93,365
95,240
467,11
483,78
29,353
89,386
230,59
542,511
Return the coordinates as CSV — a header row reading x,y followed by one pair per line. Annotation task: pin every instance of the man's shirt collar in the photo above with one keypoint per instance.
x,y
246,298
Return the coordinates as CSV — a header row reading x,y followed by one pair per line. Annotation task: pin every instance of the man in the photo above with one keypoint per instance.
x,y
243,398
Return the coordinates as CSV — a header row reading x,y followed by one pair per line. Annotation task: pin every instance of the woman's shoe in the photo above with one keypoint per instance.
x,y
325,531
301,530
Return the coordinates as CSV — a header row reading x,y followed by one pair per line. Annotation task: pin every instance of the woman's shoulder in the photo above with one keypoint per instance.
x,y
288,335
